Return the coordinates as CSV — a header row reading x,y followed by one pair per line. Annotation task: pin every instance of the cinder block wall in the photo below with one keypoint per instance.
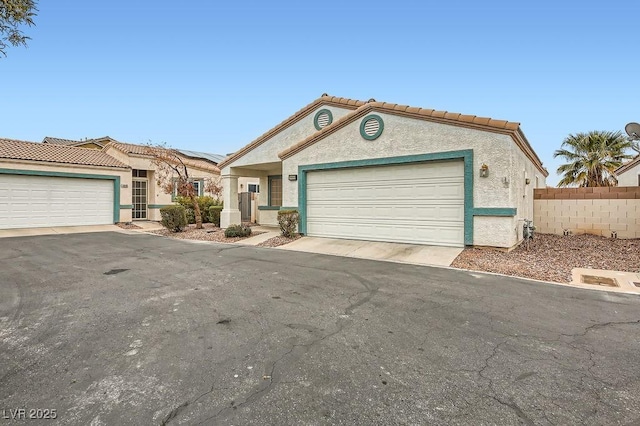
x,y
596,211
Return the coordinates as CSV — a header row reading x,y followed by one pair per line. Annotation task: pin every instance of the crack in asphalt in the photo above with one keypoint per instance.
x,y
271,382
516,409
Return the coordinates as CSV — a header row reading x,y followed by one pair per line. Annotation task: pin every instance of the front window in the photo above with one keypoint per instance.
x,y
275,190
198,187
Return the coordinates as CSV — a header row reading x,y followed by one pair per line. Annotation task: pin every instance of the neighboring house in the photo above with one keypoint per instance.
x,y
55,185
147,196
52,184
97,143
387,172
629,174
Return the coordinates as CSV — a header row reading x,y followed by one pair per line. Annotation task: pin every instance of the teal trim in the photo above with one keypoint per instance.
x,y
126,206
269,189
158,206
115,179
495,211
380,129
465,155
315,118
289,208
268,207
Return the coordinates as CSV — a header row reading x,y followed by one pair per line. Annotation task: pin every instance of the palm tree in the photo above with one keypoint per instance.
x,y
592,157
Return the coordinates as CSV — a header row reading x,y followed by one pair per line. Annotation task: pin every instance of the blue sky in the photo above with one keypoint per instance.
x,y
213,76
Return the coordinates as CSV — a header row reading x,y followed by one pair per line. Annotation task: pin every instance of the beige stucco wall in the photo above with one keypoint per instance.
x,y
268,151
124,174
630,177
406,136
156,195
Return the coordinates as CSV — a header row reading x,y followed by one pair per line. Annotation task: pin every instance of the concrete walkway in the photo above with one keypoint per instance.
x,y
269,232
147,225
392,252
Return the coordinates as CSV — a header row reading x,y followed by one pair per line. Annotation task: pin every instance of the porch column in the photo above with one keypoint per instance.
x,y
230,214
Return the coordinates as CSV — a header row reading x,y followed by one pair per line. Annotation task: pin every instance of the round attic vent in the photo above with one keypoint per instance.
x,y
371,127
322,119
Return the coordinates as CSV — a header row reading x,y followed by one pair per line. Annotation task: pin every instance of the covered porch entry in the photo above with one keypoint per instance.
x,y
268,198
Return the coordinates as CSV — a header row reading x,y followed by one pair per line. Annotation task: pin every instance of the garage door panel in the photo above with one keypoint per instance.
x,y
38,201
434,232
416,203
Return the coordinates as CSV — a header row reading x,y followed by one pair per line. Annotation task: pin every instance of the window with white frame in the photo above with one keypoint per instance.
x,y
253,187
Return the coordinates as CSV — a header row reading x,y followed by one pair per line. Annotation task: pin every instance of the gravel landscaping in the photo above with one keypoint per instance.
x,y
209,232
127,225
278,241
552,257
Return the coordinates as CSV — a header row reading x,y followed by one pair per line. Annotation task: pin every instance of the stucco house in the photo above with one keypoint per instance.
x,y
50,184
629,174
386,172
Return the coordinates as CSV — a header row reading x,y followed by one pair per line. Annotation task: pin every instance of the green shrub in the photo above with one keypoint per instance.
x,y
174,217
204,203
214,215
288,220
237,231
191,215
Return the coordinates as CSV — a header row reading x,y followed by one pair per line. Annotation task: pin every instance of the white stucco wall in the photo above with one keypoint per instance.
x,y
630,177
406,136
268,151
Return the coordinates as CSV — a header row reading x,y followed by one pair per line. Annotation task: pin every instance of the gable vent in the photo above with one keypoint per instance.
x,y
371,127
322,119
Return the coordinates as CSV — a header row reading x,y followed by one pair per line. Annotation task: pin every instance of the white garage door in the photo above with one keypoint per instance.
x,y
37,201
419,203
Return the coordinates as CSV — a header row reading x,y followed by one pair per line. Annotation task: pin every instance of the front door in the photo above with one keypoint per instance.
x,y
244,205
139,199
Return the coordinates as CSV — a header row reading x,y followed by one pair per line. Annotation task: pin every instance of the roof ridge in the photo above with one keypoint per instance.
x,y
296,116
453,118
53,153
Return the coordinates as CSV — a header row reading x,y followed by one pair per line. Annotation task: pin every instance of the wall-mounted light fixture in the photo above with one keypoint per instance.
x,y
484,170
527,181
293,178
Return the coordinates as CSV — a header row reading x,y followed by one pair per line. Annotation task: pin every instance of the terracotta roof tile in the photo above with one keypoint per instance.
x,y
483,123
630,164
322,100
52,153
69,142
59,141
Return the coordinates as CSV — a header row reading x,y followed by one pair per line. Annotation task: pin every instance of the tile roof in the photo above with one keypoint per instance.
x,y
629,165
129,148
471,121
52,153
322,100
58,141
69,142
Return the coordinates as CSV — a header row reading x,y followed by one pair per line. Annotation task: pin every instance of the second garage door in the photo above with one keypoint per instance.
x,y
421,203
38,201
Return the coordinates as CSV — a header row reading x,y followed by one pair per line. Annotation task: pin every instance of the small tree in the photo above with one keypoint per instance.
x,y
13,14
172,175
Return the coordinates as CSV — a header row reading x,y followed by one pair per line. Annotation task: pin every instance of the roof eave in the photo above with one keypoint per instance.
x,y
294,118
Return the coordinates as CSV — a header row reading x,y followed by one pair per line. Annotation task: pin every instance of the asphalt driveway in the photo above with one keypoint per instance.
x,y
112,328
